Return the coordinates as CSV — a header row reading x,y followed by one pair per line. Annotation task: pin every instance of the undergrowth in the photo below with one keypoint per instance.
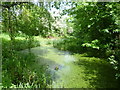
x,y
21,70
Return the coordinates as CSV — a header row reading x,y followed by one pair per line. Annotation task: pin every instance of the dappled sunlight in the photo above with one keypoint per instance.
x,y
98,72
70,70
60,44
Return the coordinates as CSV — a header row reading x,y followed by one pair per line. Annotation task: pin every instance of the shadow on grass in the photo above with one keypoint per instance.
x,y
99,73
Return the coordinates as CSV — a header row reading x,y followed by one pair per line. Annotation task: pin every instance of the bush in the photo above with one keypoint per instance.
x,y
21,69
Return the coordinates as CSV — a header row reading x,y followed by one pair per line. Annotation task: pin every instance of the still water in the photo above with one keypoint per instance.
x,y
61,65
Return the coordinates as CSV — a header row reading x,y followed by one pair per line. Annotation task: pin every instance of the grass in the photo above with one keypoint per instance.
x,y
4,35
85,72
98,72
20,43
88,72
18,68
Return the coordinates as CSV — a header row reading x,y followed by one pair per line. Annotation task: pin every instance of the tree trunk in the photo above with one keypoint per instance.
x,y
29,43
11,34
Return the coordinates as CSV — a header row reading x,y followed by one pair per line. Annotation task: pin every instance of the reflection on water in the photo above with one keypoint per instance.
x,y
59,62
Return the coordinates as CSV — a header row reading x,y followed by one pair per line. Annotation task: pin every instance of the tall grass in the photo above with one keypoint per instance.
x,y
21,70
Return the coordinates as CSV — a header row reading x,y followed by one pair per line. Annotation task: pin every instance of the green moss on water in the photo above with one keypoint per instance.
x,y
74,70
78,71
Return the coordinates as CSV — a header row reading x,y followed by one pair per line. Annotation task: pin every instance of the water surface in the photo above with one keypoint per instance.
x,y
67,73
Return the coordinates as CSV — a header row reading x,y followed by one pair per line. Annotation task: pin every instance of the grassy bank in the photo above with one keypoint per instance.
x,y
97,72
21,70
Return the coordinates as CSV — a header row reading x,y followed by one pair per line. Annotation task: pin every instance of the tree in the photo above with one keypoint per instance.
x,y
97,29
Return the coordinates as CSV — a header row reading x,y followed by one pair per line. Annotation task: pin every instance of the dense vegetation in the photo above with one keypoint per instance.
x,y
96,31
92,28
21,69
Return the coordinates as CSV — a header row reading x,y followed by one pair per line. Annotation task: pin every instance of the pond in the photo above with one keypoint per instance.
x,y
74,71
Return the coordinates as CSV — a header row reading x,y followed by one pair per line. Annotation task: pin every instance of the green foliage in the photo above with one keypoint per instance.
x,y
20,69
98,71
70,44
93,44
34,22
96,29
29,19
113,61
95,24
